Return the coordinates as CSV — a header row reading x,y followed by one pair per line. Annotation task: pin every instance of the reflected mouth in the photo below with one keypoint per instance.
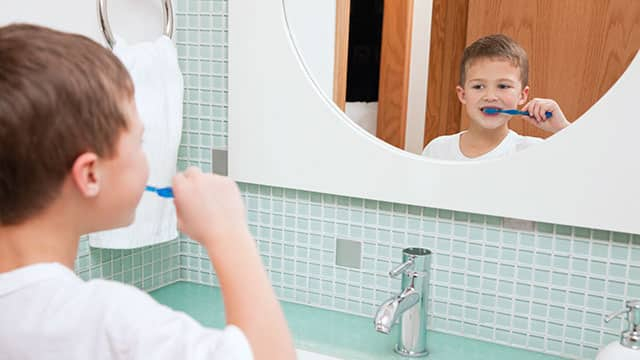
x,y
490,110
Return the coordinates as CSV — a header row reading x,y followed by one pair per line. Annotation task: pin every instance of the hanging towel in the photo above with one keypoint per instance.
x,y
158,83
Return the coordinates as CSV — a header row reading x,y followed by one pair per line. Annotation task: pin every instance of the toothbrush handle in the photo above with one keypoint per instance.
x,y
547,114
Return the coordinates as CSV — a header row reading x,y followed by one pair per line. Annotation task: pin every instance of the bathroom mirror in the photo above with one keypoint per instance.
x,y
344,44
284,132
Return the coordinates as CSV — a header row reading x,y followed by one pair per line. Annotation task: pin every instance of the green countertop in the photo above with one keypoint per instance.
x,y
333,333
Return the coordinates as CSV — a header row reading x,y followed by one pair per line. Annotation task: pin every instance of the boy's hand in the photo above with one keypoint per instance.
x,y
209,207
537,108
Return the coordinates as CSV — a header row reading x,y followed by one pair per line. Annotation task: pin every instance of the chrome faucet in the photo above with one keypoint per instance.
x,y
410,306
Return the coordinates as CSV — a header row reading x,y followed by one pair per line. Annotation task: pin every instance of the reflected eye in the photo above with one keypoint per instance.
x,y
477,87
504,86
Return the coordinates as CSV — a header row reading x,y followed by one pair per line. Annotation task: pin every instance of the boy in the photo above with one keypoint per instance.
x,y
71,163
494,74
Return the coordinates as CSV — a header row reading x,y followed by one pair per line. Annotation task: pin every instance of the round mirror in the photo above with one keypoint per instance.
x,y
393,66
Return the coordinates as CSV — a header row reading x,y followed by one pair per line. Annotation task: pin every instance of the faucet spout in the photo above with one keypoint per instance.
x,y
390,310
408,309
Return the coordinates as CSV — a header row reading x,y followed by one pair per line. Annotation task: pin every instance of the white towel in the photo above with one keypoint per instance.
x,y
158,82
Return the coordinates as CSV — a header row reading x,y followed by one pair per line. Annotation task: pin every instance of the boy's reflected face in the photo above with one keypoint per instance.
x,y
491,83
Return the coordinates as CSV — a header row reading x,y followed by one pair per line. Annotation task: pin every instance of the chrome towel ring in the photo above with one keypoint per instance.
x,y
106,28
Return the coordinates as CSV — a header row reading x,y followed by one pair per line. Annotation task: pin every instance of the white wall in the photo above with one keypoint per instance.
x,y
133,20
418,75
313,28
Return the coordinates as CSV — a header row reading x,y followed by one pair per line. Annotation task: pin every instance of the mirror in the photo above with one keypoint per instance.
x,y
392,66
284,132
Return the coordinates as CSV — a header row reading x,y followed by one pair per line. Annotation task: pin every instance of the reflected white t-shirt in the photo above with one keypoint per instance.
x,y
448,147
47,312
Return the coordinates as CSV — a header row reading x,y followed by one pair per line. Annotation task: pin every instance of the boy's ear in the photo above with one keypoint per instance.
x,y
86,175
524,95
460,93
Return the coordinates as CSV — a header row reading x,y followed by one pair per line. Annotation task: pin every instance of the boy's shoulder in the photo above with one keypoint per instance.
x,y
444,143
59,285
521,142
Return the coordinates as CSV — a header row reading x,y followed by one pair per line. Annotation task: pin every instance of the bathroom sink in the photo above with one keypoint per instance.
x,y
321,334
307,355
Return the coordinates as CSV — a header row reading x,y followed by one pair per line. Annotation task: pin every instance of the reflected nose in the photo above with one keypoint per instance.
x,y
489,96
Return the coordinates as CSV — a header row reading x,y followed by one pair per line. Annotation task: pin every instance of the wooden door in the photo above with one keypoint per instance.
x,y
395,57
577,50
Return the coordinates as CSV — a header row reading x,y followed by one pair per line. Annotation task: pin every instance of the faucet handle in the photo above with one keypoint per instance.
x,y
631,307
395,272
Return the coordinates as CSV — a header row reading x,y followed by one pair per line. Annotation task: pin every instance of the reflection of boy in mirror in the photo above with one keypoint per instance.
x,y
494,75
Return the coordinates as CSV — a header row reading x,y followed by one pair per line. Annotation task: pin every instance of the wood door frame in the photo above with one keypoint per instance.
x,y
395,64
448,40
341,57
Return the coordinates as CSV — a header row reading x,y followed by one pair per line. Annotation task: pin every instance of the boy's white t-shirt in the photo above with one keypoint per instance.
x,y
47,312
448,147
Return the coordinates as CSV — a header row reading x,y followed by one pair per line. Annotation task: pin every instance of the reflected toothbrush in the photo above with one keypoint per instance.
x,y
547,114
165,192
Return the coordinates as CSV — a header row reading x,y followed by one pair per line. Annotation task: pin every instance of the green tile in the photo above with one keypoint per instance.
x,y
578,264
560,279
527,240
544,228
460,216
538,326
581,248
508,254
399,222
371,204
564,230
492,235
509,238
414,210
598,267
619,252
413,224
525,257
578,281
574,298
494,220
561,262
445,214
582,232
429,212
543,259
400,208
444,228
476,219
615,288
617,270
601,235
385,206
428,225
544,243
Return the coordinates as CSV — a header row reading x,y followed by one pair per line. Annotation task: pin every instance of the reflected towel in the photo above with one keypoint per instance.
x,y
158,82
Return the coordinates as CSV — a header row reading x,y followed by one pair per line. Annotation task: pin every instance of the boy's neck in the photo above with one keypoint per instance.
x,y
477,141
49,237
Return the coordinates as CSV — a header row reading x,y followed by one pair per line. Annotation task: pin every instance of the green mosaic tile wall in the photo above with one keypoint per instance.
x,y
147,268
544,289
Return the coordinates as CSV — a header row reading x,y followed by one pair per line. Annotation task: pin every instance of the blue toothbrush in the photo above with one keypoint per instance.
x,y
547,114
165,192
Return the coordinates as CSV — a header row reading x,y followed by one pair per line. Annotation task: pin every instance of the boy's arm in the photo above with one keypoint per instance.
x,y
538,107
210,210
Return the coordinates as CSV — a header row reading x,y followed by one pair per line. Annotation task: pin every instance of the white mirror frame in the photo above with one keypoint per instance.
x,y
284,132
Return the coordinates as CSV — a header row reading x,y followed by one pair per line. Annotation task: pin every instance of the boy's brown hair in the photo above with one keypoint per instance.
x,y
60,95
496,46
